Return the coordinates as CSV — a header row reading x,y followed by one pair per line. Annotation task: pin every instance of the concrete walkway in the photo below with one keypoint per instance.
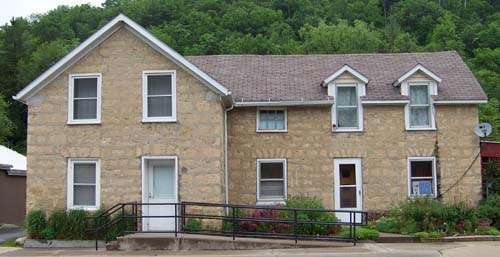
x,y
479,249
10,233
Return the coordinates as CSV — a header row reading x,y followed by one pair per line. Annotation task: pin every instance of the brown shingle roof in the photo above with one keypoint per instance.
x,y
299,77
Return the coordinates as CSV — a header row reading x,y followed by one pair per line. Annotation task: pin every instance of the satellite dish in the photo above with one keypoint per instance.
x,y
482,129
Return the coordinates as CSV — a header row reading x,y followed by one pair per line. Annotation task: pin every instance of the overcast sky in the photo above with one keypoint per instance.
x,y
24,8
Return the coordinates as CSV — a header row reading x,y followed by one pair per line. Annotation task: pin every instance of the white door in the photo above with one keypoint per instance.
x,y
348,188
160,187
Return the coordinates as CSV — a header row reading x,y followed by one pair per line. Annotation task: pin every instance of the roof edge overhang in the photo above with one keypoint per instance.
x,y
345,68
418,67
98,37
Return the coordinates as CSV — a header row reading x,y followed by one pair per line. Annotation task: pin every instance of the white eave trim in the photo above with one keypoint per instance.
x,y
453,102
339,72
100,36
283,103
418,67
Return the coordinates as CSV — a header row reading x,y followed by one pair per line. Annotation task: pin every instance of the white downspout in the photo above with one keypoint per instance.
x,y
226,176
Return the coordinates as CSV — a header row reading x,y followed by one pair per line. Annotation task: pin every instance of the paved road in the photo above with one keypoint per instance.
x,y
475,249
9,233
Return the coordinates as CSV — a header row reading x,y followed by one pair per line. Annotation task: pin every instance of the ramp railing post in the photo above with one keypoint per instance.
x,y
234,222
175,219
354,229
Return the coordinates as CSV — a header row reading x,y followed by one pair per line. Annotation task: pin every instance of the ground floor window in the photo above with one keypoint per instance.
x,y
422,176
83,184
271,181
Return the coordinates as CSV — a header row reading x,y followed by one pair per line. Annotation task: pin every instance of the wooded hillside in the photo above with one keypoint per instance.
x,y
197,27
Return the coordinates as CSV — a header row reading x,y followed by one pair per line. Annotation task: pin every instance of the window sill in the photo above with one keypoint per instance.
x,y
270,202
159,120
343,130
84,208
421,129
84,122
271,131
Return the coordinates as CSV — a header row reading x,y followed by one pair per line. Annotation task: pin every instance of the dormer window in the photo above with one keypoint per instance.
x,y
347,107
419,107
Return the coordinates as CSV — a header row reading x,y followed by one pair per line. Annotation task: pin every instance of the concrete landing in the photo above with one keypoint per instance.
x,y
162,241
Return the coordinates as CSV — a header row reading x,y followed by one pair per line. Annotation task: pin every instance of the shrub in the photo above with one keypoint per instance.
x,y
48,234
58,224
362,233
192,225
303,202
422,235
77,225
489,209
35,224
494,232
388,225
436,234
492,177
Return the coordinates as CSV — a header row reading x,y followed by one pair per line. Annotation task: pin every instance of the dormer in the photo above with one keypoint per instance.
x,y
418,75
347,86
346,75
419,84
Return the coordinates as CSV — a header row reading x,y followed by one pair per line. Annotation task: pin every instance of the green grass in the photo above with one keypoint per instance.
x,y
10,243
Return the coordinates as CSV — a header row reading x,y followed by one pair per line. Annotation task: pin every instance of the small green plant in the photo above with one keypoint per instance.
x,y
489,209
494,232
35,224
192,225
435,234
422,235
10,243
361,233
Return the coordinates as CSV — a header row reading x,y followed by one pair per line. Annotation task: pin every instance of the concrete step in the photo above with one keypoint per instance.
x,y
164,241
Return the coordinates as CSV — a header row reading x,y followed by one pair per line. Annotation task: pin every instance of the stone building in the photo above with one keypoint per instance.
x,y
123,117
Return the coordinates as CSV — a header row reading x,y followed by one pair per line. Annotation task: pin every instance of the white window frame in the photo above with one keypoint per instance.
x,y
336,128
285,111
70,184
432,123
145,75
71,98
409,177
277,200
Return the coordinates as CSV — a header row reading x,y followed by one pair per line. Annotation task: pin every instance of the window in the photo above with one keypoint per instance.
x,y
83,184
347,108
271,181
271,120
422,176
159,101
84,106
419,109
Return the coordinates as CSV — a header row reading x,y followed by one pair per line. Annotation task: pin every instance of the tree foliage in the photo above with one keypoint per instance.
x,y
28,46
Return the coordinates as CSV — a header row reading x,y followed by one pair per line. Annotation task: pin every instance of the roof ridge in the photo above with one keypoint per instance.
x,y
312,55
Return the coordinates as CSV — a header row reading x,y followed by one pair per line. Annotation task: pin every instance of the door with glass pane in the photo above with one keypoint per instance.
x,y
348,189
161,188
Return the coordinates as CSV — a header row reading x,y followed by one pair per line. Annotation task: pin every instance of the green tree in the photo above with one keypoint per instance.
x,y
445,35
7,125
341,38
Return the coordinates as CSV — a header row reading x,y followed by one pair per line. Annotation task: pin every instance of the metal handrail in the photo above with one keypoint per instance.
x,y
234,220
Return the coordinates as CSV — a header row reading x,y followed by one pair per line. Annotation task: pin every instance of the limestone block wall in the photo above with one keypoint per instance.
x,y
121,138
310,147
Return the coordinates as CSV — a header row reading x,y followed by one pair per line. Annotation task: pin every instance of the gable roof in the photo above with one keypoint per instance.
x,y
340,71
417,68
273,78
101,35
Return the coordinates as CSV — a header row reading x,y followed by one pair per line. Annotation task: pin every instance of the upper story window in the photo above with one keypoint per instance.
x,y
84,106
83,184
271,181
159,96
272,120
419,110
347,110
422,176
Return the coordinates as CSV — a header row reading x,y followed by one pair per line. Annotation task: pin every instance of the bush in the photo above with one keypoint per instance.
x,y
77,225
494,232
303,202
35,224
489,209
58,225
192,225
422,235
48,234
388,225
362,233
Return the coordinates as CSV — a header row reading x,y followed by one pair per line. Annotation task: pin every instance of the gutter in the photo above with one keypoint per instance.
x,y
283,103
